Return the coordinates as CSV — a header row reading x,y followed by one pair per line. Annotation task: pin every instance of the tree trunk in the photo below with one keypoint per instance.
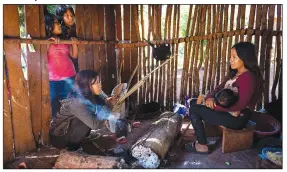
x,y
76,160
153,146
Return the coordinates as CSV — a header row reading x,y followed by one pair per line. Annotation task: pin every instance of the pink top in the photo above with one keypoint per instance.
x,y
59,63
247,85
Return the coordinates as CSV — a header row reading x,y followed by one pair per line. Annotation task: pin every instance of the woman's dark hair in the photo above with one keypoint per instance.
x,y
246,52
49,22
83,82
67,32
61,10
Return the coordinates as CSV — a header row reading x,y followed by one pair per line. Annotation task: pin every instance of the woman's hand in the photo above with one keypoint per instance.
x,y
111,101
210,103
74,40
56,40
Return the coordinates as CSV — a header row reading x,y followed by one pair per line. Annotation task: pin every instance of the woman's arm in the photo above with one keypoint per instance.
x,y
74,49
218,88
246,88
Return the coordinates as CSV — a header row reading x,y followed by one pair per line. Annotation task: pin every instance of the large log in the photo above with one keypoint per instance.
x,y
77,160
153,146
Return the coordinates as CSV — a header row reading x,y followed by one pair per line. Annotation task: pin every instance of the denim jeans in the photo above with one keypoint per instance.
x,y
58,91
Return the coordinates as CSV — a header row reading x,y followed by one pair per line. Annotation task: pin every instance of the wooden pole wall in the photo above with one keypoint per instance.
x,y
21,113
211,30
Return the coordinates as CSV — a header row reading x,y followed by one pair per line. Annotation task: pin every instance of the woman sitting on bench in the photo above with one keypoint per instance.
x,y
245,75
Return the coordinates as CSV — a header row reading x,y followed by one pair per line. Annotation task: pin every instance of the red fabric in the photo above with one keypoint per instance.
x,y
59,63
248,94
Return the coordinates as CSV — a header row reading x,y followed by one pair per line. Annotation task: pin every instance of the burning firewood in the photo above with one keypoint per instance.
x,y
153,146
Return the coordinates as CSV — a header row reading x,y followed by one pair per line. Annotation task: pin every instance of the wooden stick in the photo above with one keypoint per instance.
x,y
251,21
268,54
207,54
137,85
185,62
278,57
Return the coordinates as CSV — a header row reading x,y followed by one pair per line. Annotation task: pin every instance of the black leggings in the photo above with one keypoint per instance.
x,y
74,137
199,113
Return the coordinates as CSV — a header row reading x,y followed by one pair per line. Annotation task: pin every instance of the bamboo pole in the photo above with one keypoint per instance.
x,y
150,82
118,45
192,55
215,14
263,44
143,53
278,57
251,21
185,62
140,83
203,20
176,57
211,52
257,26
243,8
238,22
223,67
206,64
219,45
194,73
231,25
174,52
268,54
169,10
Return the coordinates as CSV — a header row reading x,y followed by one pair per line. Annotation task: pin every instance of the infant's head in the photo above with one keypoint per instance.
x,y
226,98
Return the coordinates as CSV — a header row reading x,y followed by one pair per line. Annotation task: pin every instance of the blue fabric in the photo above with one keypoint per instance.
x,y
180,109
58,91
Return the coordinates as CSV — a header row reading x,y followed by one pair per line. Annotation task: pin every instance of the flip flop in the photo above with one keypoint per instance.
x,y
190,147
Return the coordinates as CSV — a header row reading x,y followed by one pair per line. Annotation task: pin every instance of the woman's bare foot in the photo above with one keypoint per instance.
x,y
201,148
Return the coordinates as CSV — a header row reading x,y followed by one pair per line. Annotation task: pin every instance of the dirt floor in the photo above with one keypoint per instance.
x,y
175,158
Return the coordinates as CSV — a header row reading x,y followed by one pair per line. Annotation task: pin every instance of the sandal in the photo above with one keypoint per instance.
x,y
190,147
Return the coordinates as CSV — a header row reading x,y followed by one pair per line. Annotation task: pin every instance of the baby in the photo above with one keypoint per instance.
x,y
225,98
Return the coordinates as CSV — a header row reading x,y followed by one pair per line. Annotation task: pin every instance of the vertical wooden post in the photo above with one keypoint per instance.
x,y
263,45
96,36
111,55
268,54
223,67
46,104
231,21
278,57
8,140
34,69
207,54
238,22
185,62
219,45
134,51
21,115
251,21
127,36
243,8
80,28
119,52
168,25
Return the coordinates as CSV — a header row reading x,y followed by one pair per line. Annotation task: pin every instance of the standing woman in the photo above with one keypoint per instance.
x,y
245,75
84,110
60,66
66,16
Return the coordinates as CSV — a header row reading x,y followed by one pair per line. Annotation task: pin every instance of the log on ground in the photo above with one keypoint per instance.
x,y
153,146
78,160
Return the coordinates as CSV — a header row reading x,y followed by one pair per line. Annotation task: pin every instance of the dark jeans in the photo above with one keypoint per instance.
x,y
72,140
58,91
199,113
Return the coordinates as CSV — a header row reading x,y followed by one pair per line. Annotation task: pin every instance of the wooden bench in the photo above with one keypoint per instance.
x,y
237,140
